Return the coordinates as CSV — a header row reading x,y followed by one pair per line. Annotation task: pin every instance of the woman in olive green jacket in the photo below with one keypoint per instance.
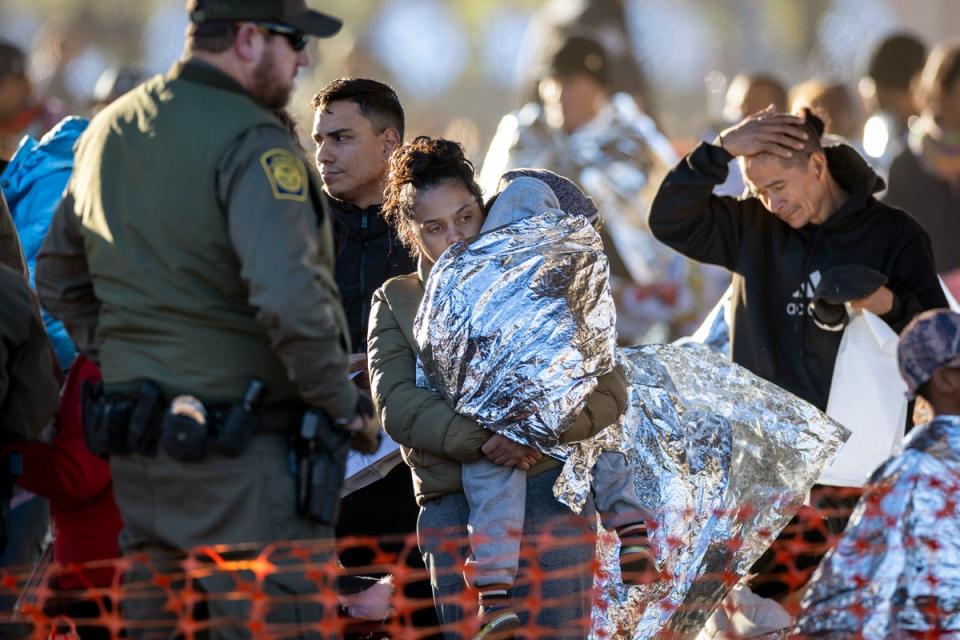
x,y
433,199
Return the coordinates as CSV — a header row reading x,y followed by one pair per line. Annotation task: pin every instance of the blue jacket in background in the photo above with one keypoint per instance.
x,y
33,184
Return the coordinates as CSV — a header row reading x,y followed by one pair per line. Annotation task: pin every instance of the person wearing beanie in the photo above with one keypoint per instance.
x,y
496,493
580,128
888,575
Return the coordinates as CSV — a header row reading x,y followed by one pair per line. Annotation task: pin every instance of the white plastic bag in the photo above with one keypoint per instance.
x,y
744,614
867,396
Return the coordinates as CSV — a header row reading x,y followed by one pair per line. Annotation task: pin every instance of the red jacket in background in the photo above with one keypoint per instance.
x,y
77,483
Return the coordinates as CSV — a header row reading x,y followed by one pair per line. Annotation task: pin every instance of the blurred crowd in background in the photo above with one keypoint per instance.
x,y
460,65
692,68
610,93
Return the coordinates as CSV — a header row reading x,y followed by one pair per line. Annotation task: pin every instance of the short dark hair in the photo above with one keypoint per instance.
x,y
580,55
814,126
211,37
13,62
424,163
896,61
377,101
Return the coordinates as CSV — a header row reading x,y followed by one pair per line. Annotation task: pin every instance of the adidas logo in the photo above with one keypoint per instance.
x,y
804,291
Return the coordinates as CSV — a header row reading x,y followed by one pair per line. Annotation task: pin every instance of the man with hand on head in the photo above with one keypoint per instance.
x,y
811,224
811,210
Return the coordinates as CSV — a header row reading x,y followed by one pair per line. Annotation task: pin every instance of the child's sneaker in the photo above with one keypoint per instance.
x,y
637,565
498,620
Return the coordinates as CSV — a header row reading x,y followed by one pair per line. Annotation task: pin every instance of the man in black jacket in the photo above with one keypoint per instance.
x,y
357,125
811,212
812,209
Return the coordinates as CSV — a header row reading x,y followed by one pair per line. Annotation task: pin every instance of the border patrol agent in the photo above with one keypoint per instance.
x,y
192,257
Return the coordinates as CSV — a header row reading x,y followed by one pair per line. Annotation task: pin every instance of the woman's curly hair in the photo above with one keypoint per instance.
x,y
423,163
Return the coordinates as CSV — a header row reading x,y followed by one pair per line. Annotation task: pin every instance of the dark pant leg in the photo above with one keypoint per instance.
x,y
387,510
442,536
554,589
27,527
797,551
247,503
556,564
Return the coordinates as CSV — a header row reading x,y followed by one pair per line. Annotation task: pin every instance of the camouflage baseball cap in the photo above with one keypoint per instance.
x,y
292,13
930,341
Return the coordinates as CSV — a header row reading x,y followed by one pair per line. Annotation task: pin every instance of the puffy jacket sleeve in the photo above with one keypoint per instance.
x,y
416,418
63,279
687,217
604,407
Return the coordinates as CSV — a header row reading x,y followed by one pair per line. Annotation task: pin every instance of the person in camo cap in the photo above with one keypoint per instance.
x,y
894,573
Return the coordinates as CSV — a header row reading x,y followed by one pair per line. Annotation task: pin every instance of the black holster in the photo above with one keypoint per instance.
x,y
117,424
321,449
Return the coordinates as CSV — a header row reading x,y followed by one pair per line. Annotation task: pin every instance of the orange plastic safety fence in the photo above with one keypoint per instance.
x,y
299,589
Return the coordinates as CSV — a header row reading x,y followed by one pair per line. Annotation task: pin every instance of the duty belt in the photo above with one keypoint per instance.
x,y
117,423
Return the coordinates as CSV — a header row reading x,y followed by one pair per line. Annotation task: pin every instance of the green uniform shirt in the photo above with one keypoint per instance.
x,y
192,249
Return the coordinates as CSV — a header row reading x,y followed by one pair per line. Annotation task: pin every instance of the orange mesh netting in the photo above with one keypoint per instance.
x,y
296,589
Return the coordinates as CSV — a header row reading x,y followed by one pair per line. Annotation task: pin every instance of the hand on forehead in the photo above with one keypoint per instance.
x,y
780,134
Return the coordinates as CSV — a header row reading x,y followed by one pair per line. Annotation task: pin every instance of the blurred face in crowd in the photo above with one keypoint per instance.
x,y
794,191
947,108
747,96
571,101
352,153
273,75
444,214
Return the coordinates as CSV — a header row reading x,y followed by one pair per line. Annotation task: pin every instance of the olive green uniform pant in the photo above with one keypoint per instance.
x,y
175,586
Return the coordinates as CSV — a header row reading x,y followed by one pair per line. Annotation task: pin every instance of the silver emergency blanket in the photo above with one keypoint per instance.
x,y
895,573
515,327
723,457
619,159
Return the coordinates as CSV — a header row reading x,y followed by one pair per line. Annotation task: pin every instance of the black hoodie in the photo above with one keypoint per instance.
x,y
368,254
777,267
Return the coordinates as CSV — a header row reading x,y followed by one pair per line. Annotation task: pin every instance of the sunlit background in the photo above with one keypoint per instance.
x,y
458,65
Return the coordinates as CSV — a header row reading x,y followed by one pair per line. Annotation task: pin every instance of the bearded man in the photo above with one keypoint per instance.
x,y
192,257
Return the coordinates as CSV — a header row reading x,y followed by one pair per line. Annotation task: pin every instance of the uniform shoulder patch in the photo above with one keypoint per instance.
x,y
286,174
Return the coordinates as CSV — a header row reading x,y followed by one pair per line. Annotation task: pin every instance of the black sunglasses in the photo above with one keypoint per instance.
x,y
297,39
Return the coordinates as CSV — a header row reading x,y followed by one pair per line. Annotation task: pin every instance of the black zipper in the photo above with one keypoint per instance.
x,y
363,252
364,301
